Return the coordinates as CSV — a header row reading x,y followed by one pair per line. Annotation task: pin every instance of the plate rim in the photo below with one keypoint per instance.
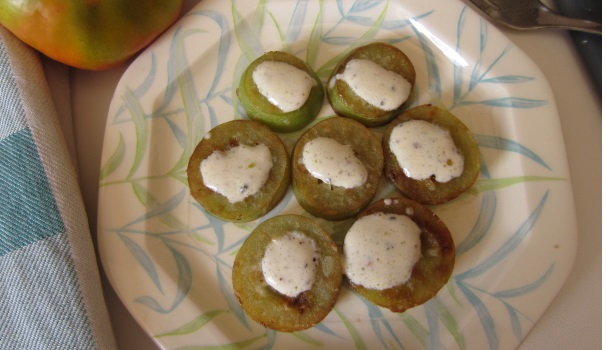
x,y
106,264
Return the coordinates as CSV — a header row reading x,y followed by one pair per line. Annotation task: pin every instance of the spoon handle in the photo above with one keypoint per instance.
x,y
548,18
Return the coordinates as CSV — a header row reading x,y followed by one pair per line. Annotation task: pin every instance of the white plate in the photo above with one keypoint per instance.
x,y
170,263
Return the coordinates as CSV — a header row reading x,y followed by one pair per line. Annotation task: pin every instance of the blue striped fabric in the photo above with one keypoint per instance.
x,y
28,206
41,305
46,300
12,116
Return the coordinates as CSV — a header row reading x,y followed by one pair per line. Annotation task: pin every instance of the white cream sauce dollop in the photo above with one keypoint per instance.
x,y
238,172
290,262
333,163
376,85
424,149
285,86
381,249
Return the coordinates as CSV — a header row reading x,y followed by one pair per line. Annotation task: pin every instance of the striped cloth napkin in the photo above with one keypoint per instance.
x,y
50,289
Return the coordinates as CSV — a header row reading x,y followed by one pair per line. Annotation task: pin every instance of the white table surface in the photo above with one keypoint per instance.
x,y
573,321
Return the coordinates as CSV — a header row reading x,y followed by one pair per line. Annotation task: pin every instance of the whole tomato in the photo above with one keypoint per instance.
x,y
88,34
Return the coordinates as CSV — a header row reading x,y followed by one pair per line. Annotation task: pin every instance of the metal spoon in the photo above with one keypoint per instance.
x,y
532,14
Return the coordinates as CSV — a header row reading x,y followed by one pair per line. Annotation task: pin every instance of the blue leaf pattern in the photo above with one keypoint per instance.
x,y
296,22
158,210
232,303
378,321
482,225
523,290
151,303
510,245
432,323
363,5
143,259
510,79
324,329
458,69
515,321
183,284
433,71
503,144
507,102
483,315
184,277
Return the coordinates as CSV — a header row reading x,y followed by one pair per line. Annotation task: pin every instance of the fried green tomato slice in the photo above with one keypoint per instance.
x,y
371,84
324,197
281,91
217,144
423,277
268,306
430,189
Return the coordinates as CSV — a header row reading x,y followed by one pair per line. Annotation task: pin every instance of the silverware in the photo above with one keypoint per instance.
x,y
533,14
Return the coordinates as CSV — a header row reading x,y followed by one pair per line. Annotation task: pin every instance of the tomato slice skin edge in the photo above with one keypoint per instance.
x,y
429,191
267,306
430,273
258,108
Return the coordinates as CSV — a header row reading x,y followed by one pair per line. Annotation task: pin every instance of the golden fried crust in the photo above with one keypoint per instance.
x,y
433,269
344,100
266,305
258,108
334,202
222,138
429,191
